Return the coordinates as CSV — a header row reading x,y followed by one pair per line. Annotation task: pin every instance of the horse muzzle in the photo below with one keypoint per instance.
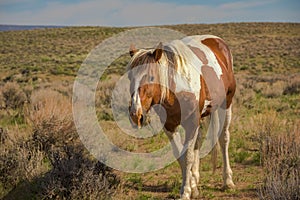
x,y
137,118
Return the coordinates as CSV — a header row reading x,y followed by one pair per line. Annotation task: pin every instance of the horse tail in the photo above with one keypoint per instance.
x,y
213,130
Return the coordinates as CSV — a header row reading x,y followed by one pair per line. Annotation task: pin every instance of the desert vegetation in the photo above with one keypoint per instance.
x,y
42,157
280,158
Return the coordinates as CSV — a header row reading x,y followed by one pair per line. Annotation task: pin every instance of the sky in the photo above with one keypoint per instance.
x,y
145,12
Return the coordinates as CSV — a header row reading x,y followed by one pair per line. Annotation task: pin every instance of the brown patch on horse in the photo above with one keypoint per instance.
x,y
158,52
224,58
220,50
173,111
149,91
183,110
200,54
213,87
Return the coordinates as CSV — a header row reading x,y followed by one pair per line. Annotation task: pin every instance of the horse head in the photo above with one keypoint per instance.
x,y
144,83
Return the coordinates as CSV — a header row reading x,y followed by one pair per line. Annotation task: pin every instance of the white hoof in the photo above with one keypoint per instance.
x,y
228,185
195,193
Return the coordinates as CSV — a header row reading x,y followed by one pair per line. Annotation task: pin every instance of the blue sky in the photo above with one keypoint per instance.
x,y
145,12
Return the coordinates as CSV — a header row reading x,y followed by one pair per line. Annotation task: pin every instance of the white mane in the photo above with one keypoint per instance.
x,y
186,69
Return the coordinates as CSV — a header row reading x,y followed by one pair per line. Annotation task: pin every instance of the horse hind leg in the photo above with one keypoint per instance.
x,y
224,144
195,168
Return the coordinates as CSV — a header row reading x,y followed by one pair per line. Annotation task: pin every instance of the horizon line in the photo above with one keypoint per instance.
x,y
125,26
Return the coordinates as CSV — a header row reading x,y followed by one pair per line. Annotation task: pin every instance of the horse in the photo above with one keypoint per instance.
x,y
190,78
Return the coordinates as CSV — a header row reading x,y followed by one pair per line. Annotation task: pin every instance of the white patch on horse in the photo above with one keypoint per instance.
x,y
136,103
188,72
164,76
138,74
195,41
206,103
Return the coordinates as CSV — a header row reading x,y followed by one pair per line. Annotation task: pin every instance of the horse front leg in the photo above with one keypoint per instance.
x,y
185,157
188,158
179,153
189,174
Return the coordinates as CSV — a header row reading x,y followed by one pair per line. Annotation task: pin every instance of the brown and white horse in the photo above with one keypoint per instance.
x,y
190,78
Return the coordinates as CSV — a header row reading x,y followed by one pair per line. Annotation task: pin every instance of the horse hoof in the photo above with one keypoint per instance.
x,y
184,197
228,186
195,193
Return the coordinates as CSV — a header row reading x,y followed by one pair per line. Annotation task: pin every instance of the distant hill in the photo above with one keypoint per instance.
x,y
258,48
24,27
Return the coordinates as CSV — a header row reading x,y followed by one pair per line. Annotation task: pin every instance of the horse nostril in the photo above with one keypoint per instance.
x,y
142,119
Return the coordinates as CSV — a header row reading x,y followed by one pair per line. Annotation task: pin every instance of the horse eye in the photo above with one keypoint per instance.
x,y
151,78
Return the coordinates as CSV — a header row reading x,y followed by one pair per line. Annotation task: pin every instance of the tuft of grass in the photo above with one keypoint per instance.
x,y
293,85
280,153
13,96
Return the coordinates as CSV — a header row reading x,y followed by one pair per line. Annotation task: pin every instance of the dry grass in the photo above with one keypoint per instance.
x,y
280,153
50,162
293,85
12,96
47,105
20,160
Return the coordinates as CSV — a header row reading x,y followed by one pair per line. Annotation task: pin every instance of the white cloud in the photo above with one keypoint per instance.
x,y
134,13
11,2
245,4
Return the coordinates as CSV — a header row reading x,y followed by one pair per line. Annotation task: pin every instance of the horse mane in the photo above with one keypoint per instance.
x,y
141,57
177,59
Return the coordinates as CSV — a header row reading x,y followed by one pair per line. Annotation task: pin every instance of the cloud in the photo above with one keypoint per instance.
x,y
245,4
136,13
11,2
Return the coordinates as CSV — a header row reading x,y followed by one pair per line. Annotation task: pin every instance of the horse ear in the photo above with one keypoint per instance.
x,y
132,50
158,52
